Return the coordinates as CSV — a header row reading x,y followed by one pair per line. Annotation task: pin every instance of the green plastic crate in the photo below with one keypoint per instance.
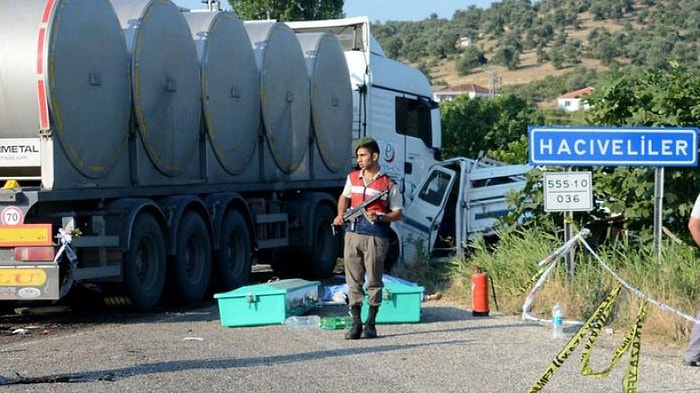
x,y
267,304
400,304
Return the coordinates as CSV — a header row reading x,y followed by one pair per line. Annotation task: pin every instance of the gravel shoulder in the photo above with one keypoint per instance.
x,y
448,351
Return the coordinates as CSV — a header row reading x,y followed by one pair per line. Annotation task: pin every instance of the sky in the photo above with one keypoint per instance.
x,y
385,10
408,10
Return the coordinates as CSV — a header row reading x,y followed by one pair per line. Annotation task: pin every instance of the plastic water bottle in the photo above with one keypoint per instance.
x,y
303,321
557,321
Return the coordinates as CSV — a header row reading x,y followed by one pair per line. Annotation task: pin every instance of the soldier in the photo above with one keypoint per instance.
x,y
367,239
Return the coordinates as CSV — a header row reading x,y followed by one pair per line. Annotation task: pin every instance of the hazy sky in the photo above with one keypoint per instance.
x,y
384,10
408,10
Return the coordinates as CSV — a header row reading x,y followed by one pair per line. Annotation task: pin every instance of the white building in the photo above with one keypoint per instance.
x,y
575,100
447,93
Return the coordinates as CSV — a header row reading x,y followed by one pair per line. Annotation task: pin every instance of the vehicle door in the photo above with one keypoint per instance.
x,y
423,214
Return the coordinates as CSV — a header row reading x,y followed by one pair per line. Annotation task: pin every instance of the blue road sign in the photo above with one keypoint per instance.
x,y
622,146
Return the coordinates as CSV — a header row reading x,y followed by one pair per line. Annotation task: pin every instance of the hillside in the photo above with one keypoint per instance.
x,y
529,69
549,39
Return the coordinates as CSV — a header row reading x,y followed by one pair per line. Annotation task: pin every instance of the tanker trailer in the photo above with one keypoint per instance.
x,y
136,196
167,209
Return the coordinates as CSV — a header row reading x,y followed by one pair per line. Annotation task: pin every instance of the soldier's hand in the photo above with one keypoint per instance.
x,y
372,217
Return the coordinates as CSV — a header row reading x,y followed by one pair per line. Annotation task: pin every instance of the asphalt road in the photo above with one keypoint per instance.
x,y
448,351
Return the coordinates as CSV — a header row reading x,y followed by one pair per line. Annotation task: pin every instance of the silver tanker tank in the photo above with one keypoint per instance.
x,y
284,87
64,73
331,107
230,95
166,92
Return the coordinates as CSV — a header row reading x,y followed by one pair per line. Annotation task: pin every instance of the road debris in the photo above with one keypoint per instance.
x,y
57,378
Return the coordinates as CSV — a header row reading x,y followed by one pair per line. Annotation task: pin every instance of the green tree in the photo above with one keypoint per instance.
x,y
572,51
472,58
493,126
557,57
658,98
284,10
507,56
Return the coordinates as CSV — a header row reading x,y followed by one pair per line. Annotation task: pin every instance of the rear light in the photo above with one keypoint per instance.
x,y
35,253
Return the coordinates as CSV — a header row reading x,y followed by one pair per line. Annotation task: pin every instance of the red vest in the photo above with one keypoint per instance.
x,y
360,192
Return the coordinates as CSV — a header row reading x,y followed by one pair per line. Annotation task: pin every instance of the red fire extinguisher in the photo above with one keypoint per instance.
x,y
480,294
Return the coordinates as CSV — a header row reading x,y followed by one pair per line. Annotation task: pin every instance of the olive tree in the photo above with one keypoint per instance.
x,y
284,10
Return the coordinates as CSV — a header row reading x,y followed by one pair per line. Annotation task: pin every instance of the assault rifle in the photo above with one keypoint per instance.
x,y
354,213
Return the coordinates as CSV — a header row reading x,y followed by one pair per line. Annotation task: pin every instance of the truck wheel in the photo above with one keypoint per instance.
x,y
144,263
191,267
323,255
233,261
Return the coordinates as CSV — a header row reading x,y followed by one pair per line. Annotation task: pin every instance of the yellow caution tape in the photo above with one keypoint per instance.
x,y
629,383
593,326
527,287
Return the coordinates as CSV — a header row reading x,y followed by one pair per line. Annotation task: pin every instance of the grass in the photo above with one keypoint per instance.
x,y
671,279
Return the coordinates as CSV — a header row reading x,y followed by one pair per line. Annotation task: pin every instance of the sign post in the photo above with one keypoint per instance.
x,y
657,147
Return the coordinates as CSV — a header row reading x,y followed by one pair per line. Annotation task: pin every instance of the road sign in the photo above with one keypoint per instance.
x,y
11,215
568,191
622,146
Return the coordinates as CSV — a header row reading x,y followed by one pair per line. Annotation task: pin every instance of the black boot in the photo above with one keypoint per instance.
x,y
356,329
370,331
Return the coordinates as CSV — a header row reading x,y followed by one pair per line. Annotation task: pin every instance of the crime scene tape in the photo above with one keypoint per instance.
x,y
541,276
592,327
637,292
632,341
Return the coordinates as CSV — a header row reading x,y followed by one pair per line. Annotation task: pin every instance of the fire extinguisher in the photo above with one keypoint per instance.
x,y
480,294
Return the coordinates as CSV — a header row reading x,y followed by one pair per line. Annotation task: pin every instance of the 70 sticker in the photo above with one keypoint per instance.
x,y
11,215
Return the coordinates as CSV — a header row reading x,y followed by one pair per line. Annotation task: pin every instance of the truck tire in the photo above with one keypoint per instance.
x,y
234,259
191,267
323,255
144,263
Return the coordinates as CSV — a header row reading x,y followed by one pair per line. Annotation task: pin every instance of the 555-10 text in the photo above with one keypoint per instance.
x,y
566,183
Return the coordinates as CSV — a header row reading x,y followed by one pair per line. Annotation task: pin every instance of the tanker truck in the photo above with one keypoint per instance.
x,y
160,153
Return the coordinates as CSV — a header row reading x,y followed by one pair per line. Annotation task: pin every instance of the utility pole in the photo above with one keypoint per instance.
x,y
495,82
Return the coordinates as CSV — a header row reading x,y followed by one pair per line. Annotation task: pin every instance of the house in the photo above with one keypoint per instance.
x,y
575,100
464,42
447,93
